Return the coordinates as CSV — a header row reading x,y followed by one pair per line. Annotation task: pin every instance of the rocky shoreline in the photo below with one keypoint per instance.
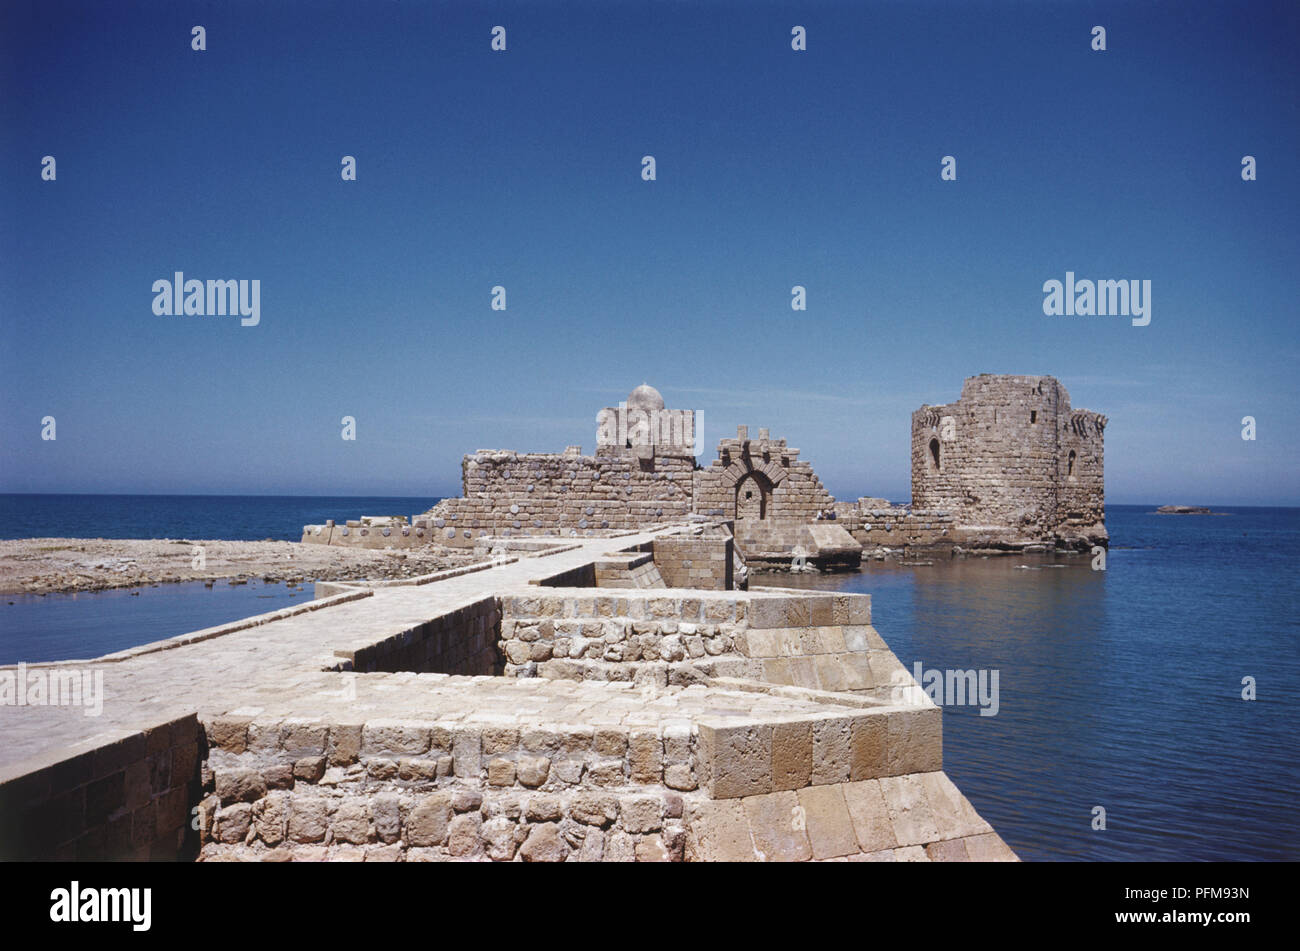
x,y
62,565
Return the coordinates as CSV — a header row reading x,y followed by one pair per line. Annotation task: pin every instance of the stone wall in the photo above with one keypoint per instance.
x,y
677,637
371,532
1013,463
126,796
643,473
696,561
898,526
628,571
463,641
552,632
633,782
759,479
509,493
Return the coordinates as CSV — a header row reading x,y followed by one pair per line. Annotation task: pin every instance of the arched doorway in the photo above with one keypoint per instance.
x,y
752,496
935,458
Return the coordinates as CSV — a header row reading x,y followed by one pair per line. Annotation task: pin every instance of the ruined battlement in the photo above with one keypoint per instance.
x,y
1013,462
1009,465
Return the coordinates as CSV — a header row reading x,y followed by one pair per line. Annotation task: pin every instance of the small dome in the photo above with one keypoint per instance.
x,y
645,397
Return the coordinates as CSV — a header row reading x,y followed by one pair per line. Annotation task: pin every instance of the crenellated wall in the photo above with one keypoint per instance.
x,y
1013,462
759,479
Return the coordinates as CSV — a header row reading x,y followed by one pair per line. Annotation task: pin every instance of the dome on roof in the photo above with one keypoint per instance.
x,y
645,397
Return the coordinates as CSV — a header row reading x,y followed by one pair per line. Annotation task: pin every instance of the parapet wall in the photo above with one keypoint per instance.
x,y
126,796
678,637
463,641
632,780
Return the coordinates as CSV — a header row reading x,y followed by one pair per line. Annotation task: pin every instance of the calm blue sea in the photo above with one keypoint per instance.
x,y
1123,688
1119,689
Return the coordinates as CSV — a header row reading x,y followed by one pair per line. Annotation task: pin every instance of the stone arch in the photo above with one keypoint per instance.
x,y
1070,464
753,496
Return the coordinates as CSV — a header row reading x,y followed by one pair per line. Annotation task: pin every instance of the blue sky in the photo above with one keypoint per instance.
x,y
522,168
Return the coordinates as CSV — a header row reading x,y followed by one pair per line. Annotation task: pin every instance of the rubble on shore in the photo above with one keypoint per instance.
x,y
54,565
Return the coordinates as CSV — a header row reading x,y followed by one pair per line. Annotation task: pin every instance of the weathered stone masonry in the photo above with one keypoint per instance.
x,y
1014,463
632,725
1008,466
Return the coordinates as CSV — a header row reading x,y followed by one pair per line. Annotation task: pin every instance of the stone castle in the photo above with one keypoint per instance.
x,y
1014,463
1009,466
605,694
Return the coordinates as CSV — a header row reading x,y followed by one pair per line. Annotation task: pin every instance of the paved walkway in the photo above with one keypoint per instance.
x,y
225,672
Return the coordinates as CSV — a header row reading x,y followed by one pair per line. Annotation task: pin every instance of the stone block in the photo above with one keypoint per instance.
x,y
308,818
645,757
915,740
792,754
501,772
428,822
651,848
954,816
379,737
718,831
593,808
533,770
909,810
737,758
228,733
239,785
778,825
233,822
829,826
870,816
344,744
467,757
868,751
351,823
300,737
832,750
641,813
989,848
463,835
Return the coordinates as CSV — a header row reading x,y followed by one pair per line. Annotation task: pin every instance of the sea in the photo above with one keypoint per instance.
x,y
1145,708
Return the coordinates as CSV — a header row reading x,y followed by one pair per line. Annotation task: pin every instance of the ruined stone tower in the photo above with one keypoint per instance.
x,y
1014,463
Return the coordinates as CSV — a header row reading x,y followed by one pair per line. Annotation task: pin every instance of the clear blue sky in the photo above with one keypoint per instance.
x,y
522,168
